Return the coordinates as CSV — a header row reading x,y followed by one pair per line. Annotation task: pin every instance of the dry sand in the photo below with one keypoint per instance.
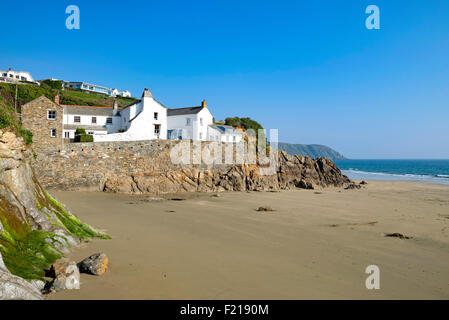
x,y
315,245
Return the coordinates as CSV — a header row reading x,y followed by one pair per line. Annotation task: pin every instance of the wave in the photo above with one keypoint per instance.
x,y
366,175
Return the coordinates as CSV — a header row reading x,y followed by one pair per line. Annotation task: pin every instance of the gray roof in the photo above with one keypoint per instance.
x,y
224,128
88,110
182,111
87,127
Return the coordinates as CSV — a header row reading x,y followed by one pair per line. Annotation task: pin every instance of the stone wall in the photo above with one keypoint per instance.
x,y
34,118
89,165
147,167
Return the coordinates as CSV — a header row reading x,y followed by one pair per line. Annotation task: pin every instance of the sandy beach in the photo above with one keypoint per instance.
x,y
315,245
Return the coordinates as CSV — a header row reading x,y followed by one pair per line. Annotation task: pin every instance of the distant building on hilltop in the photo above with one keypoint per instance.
x,y
53,124
16,76
83,86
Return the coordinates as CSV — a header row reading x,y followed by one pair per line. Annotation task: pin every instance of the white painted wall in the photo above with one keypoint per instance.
x,y
139,122
197,130
12,75
217,135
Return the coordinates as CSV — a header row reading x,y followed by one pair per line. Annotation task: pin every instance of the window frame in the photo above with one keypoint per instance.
x,y
109,120
94,120
48,115
51,133
156,116
75,118
157,129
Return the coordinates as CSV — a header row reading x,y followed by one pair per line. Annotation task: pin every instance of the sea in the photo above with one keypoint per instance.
x,y
435,171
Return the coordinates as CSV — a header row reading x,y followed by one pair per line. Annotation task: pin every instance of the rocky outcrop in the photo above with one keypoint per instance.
x,y
291,172
35,229
15,288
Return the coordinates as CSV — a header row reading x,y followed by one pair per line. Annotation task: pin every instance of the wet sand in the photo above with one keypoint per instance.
x,y
315,245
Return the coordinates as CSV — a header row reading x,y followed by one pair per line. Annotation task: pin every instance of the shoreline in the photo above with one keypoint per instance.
x,y
315,245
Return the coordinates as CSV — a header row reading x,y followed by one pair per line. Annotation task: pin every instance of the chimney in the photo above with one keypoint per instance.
x,y
146,94
115,107
204,104
10,69
57,98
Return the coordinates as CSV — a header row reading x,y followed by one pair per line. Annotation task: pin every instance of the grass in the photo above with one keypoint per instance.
x,y
26,93
9,119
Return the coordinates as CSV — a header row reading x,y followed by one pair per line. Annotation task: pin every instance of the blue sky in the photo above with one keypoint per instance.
x,y
308,68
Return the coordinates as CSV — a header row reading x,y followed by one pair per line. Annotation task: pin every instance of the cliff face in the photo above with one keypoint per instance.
x,y
35,229
291,172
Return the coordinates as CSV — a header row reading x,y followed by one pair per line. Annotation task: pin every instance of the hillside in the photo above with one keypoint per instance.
x,y
27,92
310,150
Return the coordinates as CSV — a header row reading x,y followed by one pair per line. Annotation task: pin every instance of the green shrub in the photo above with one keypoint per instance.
x,y
80,131
84,138
52,84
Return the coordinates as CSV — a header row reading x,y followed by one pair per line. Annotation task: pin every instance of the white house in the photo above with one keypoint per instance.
x,y
223,133
189,123
87,87
144,120
16,76
95,120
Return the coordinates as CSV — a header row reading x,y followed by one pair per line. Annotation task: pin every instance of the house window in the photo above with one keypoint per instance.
x,y
201,135
53,133
155,116
77,119
94,120
17,77
201,121
67,135
157,128
51,114
90,132
5,74
187,121
109,120
233,138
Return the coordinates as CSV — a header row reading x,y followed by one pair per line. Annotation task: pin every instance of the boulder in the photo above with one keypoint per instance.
x,y
66,275
96,264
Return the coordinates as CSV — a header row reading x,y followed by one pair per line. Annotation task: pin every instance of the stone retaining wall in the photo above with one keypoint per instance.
x,y
87,165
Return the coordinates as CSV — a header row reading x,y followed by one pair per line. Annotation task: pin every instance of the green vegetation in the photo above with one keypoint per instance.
x,y
71,223
52,84
81,136
9,119
311,150
49,88
28,253
245,123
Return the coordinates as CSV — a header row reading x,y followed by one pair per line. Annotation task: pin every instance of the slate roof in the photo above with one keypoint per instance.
x,y
88,110
224,128
183,111
87,127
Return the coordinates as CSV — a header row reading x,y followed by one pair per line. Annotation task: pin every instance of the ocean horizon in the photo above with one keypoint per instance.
x,y
424,170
